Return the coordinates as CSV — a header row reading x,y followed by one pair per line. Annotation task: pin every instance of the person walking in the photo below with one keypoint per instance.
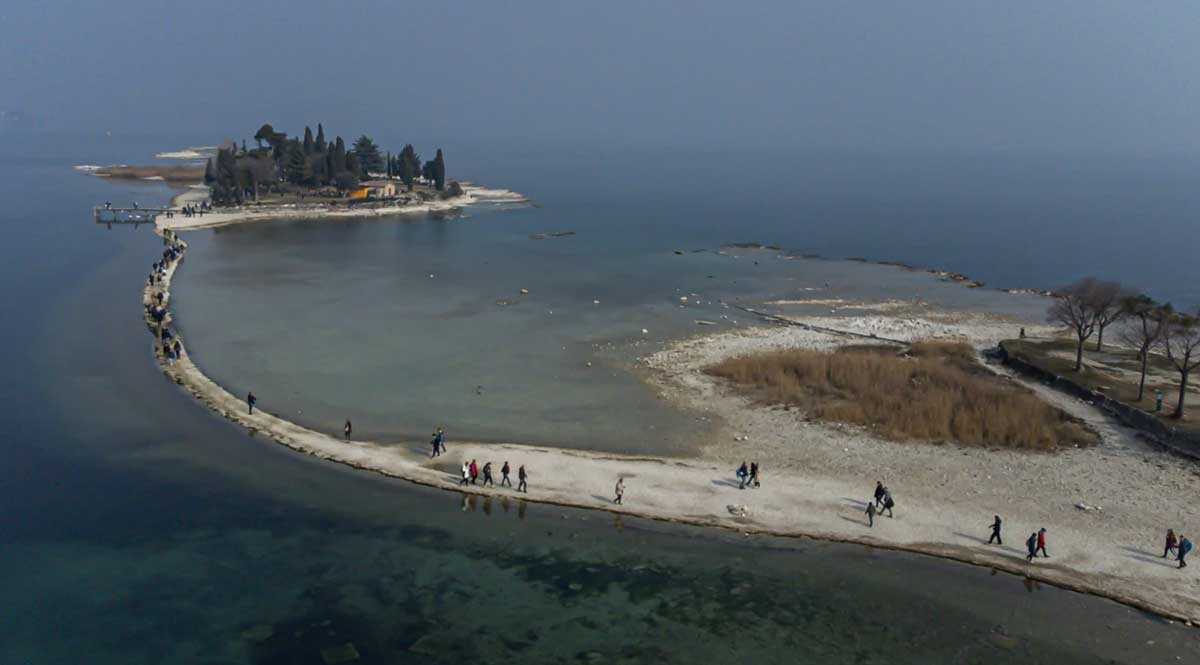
x,y
879,492
347,429
487,475
439,442
1185,546
619,491
996,532
754,474
474,469
888,503
870,513
1031,546
251,400
1041,542
1172,543
521,476
742,473
466,474
504,475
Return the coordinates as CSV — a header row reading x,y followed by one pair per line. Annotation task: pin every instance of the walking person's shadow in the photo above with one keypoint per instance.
x,y
1149,557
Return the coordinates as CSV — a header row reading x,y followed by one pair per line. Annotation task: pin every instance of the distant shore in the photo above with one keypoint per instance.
x,y
817,477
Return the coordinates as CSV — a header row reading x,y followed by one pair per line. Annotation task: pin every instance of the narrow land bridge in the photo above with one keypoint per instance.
x,y
110,215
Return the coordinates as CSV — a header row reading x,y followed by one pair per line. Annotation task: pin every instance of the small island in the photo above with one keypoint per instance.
x,y
280,177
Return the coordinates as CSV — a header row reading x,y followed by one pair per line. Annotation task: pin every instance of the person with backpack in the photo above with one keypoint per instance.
x,y
251,400
996,532
1172,544
487,475
1185,546
888,503
521,476
504,475
1031,546
1041,542
741,475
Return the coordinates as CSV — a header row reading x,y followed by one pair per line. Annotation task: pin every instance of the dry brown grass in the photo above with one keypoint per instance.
x,y
935,391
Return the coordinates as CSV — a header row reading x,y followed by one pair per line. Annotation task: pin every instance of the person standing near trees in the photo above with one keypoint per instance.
x,y
996,532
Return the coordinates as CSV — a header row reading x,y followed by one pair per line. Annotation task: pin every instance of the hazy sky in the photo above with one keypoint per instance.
x,y
956,73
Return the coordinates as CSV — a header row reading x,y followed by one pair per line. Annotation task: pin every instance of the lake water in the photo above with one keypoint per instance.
x,y
137,527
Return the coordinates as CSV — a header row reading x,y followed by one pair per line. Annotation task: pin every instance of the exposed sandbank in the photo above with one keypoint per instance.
x,y
817,477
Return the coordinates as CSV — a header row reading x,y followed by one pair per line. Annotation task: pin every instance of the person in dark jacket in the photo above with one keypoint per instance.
x,y
347,428
870,511
504,474
1172,543
1185,546
879,492
888,503
251,400
1031,545
521,476
742,474
996,532
754,474
487,475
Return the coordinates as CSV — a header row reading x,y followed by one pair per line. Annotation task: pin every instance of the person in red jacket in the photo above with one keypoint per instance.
x,y
1041,542
474,472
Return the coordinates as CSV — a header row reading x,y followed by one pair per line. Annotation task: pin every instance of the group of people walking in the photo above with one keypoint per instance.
x,y
748,476
193,211
1180,545
471,472
881,501
156,309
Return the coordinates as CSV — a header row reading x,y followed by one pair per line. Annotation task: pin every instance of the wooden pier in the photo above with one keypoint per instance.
x,y
110,215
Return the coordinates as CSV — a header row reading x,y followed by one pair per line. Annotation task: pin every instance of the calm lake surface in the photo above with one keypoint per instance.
x,y
136,527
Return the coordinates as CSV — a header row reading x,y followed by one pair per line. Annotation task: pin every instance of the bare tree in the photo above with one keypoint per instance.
x,y
1144,330
1075,308
1107,298
1181,342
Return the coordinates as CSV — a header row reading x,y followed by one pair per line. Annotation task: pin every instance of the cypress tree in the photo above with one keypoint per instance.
x,y
309,145
353,166
409,164
210,175
339,156
439,171
321,145
297,170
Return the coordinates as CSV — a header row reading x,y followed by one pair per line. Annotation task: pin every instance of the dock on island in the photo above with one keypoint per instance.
x,y
135,215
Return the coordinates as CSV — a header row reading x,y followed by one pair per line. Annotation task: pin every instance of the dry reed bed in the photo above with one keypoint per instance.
x,y
933,391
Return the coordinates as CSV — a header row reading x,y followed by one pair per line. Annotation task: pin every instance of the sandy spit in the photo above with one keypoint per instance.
x,y
817,478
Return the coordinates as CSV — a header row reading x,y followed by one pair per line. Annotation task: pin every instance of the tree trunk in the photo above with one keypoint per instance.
x,y
1142,381
1100,339
1183,380
1079,355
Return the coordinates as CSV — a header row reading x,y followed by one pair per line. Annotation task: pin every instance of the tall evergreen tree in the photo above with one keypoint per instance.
x,y
353,166
339,156
210,174
321,145
439,171
410,165
389,166
297,171
309,145
368,155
